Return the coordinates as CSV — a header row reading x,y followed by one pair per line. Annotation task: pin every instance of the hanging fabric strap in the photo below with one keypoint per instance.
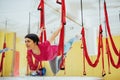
x,y
85,48
2,59
42,25
112,42
84,69
116,65
107,51
102,51
108,56
103,70
63,10
61,39
108,29
100,46
42,21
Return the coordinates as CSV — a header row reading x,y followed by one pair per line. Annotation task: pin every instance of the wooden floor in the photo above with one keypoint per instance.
x,y
49,78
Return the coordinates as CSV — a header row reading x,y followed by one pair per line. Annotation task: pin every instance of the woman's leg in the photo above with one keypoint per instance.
x,y
4,50
67,47
69,44
56,62
54,65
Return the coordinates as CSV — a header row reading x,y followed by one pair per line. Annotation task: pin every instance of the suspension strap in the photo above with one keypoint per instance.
x,y
61,40
2,58
101,49
42,25
84,68
81,12
108,30
107,51
42,21
108,56
63,11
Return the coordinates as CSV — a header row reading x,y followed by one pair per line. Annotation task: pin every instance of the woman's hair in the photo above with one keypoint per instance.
x,y
33,37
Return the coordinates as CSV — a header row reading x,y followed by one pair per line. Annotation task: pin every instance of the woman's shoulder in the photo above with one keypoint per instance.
x,y
44,43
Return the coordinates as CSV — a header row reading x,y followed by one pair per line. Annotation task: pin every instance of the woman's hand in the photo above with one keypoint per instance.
x,y
40,31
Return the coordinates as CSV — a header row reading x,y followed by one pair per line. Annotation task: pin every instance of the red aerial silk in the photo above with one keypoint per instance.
x,y
42,19
42,24
109,32
112,42
61,40
63,21
110,56
85,47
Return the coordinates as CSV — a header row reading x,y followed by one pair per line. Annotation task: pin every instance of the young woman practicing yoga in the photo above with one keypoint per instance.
x,y
45,51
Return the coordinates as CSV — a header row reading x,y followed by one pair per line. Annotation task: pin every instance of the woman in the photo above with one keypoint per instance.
x,y
45,51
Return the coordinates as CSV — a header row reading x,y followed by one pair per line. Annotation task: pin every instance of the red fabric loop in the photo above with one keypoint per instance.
x,y
85,49
108,29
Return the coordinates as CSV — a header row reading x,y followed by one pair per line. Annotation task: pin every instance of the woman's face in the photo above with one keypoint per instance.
x,y
29,43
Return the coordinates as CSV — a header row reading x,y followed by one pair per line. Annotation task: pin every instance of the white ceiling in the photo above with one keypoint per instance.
x,y
15,15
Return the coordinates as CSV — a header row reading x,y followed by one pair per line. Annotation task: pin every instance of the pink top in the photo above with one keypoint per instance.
x,y
48,52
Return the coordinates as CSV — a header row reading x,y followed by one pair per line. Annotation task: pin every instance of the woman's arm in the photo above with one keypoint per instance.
x,y
40,31
54,35
32,66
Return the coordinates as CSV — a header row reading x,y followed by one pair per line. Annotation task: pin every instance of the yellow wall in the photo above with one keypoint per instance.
x,y
74,61
1,43
8,59
20,46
